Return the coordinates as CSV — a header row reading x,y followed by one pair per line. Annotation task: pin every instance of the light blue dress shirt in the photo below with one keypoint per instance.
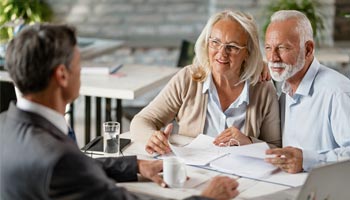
x,y
216,120
52,116
317,116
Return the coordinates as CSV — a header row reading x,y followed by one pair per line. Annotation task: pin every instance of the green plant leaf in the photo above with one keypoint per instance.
x,y
308,7
29,10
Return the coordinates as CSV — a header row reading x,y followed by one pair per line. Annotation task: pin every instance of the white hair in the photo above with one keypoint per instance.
x,y
253,65
304,27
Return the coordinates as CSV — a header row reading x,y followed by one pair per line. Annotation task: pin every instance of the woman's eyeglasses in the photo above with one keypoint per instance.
x,y
230,48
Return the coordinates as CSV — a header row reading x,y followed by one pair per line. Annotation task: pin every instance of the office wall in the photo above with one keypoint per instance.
x,y
342,20
159,20
154,29
139,20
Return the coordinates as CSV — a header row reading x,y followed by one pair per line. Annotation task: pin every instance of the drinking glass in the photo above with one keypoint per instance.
x,y
111,141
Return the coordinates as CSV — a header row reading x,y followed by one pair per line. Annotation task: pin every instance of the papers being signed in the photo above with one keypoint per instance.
x,y
247,160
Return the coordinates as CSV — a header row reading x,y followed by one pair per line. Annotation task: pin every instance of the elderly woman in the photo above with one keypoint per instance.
x,y
219,94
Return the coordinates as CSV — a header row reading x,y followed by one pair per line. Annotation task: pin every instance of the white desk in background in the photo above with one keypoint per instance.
x,y
134,81
248,188
333,55
93,47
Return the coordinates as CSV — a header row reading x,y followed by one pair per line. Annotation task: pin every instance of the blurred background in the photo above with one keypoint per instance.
x,y
153,31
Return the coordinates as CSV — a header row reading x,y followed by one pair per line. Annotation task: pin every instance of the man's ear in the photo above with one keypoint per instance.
x,y
61,75
309,46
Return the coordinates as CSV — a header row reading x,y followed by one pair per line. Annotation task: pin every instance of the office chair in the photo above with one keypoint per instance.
x,y
7,94
186,53
185,58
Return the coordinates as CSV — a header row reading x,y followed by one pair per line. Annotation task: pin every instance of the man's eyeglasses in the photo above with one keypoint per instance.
x,y
230,48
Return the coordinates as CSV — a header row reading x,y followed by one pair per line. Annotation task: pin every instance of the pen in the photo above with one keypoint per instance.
x,y
93,153
115,69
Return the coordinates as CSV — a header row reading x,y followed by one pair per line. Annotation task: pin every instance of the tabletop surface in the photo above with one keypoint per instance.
x,y
130,82
93,47
248,188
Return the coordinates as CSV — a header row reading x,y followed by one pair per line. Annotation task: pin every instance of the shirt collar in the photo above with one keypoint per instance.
x,y
208,85
52,116
305,85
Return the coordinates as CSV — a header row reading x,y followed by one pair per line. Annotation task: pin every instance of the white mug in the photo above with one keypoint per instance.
x,y
174,172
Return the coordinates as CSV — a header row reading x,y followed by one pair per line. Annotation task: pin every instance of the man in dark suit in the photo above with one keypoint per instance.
x,y
39,157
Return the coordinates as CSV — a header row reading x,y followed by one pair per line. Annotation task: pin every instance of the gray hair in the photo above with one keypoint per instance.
x,y
304,27
36,51
253,65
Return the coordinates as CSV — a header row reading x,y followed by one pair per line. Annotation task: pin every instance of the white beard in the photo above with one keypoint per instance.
x,y
289,70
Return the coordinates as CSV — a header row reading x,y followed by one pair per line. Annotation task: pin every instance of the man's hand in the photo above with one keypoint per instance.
x,y
232,136
150,169
221,187
289,159
158,142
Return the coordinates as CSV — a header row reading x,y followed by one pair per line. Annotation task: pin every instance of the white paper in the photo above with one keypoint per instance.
x,y
242,165
95,70
196,177
193,155
287,179
102,70
255,150
201,151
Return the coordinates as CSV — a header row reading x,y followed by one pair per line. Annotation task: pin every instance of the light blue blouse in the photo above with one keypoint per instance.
x,y
217,120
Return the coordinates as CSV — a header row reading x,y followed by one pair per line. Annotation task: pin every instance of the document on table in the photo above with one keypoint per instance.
x,y
287,179
199,152
242,165
247,160
202,151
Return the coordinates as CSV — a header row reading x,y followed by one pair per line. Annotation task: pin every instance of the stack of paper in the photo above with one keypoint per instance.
x,y
243,166
101,70
247,160
201,151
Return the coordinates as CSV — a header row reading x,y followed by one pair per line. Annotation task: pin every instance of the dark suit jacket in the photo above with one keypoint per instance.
x,y
38,161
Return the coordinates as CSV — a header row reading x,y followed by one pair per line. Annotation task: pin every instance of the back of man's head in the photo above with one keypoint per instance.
x,y
36,51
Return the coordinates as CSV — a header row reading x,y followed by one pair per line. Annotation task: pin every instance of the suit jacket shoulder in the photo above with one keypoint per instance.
x,y
40,162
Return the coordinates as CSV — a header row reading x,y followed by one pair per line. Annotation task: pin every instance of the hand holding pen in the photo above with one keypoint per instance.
x,y
158,142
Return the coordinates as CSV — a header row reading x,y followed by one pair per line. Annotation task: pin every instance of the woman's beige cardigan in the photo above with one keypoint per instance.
x,y
182,99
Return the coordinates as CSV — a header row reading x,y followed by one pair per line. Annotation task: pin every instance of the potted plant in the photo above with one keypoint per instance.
x,y
14,13
308,7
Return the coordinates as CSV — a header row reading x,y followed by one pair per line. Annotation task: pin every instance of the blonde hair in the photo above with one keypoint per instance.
x,y
303,27
253,65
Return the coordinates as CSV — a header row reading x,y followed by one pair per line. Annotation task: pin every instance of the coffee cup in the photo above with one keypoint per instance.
x,y
174,172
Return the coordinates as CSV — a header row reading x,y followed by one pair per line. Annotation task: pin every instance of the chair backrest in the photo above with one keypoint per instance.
x,y
186,53
7,94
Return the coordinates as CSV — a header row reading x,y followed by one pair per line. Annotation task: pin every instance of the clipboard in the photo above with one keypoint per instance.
x,y
96,145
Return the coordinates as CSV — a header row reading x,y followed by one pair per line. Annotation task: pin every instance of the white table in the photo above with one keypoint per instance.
x,y
93,47
248,188
134,81
333,55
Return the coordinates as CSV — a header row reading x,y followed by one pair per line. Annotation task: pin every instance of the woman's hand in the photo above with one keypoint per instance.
x,y
158,142
232,137
265,74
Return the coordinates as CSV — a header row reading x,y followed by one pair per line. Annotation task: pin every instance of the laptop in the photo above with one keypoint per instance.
x,y
329,182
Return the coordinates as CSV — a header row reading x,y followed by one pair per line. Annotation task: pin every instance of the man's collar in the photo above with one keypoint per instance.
x,y
52,116
305,85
